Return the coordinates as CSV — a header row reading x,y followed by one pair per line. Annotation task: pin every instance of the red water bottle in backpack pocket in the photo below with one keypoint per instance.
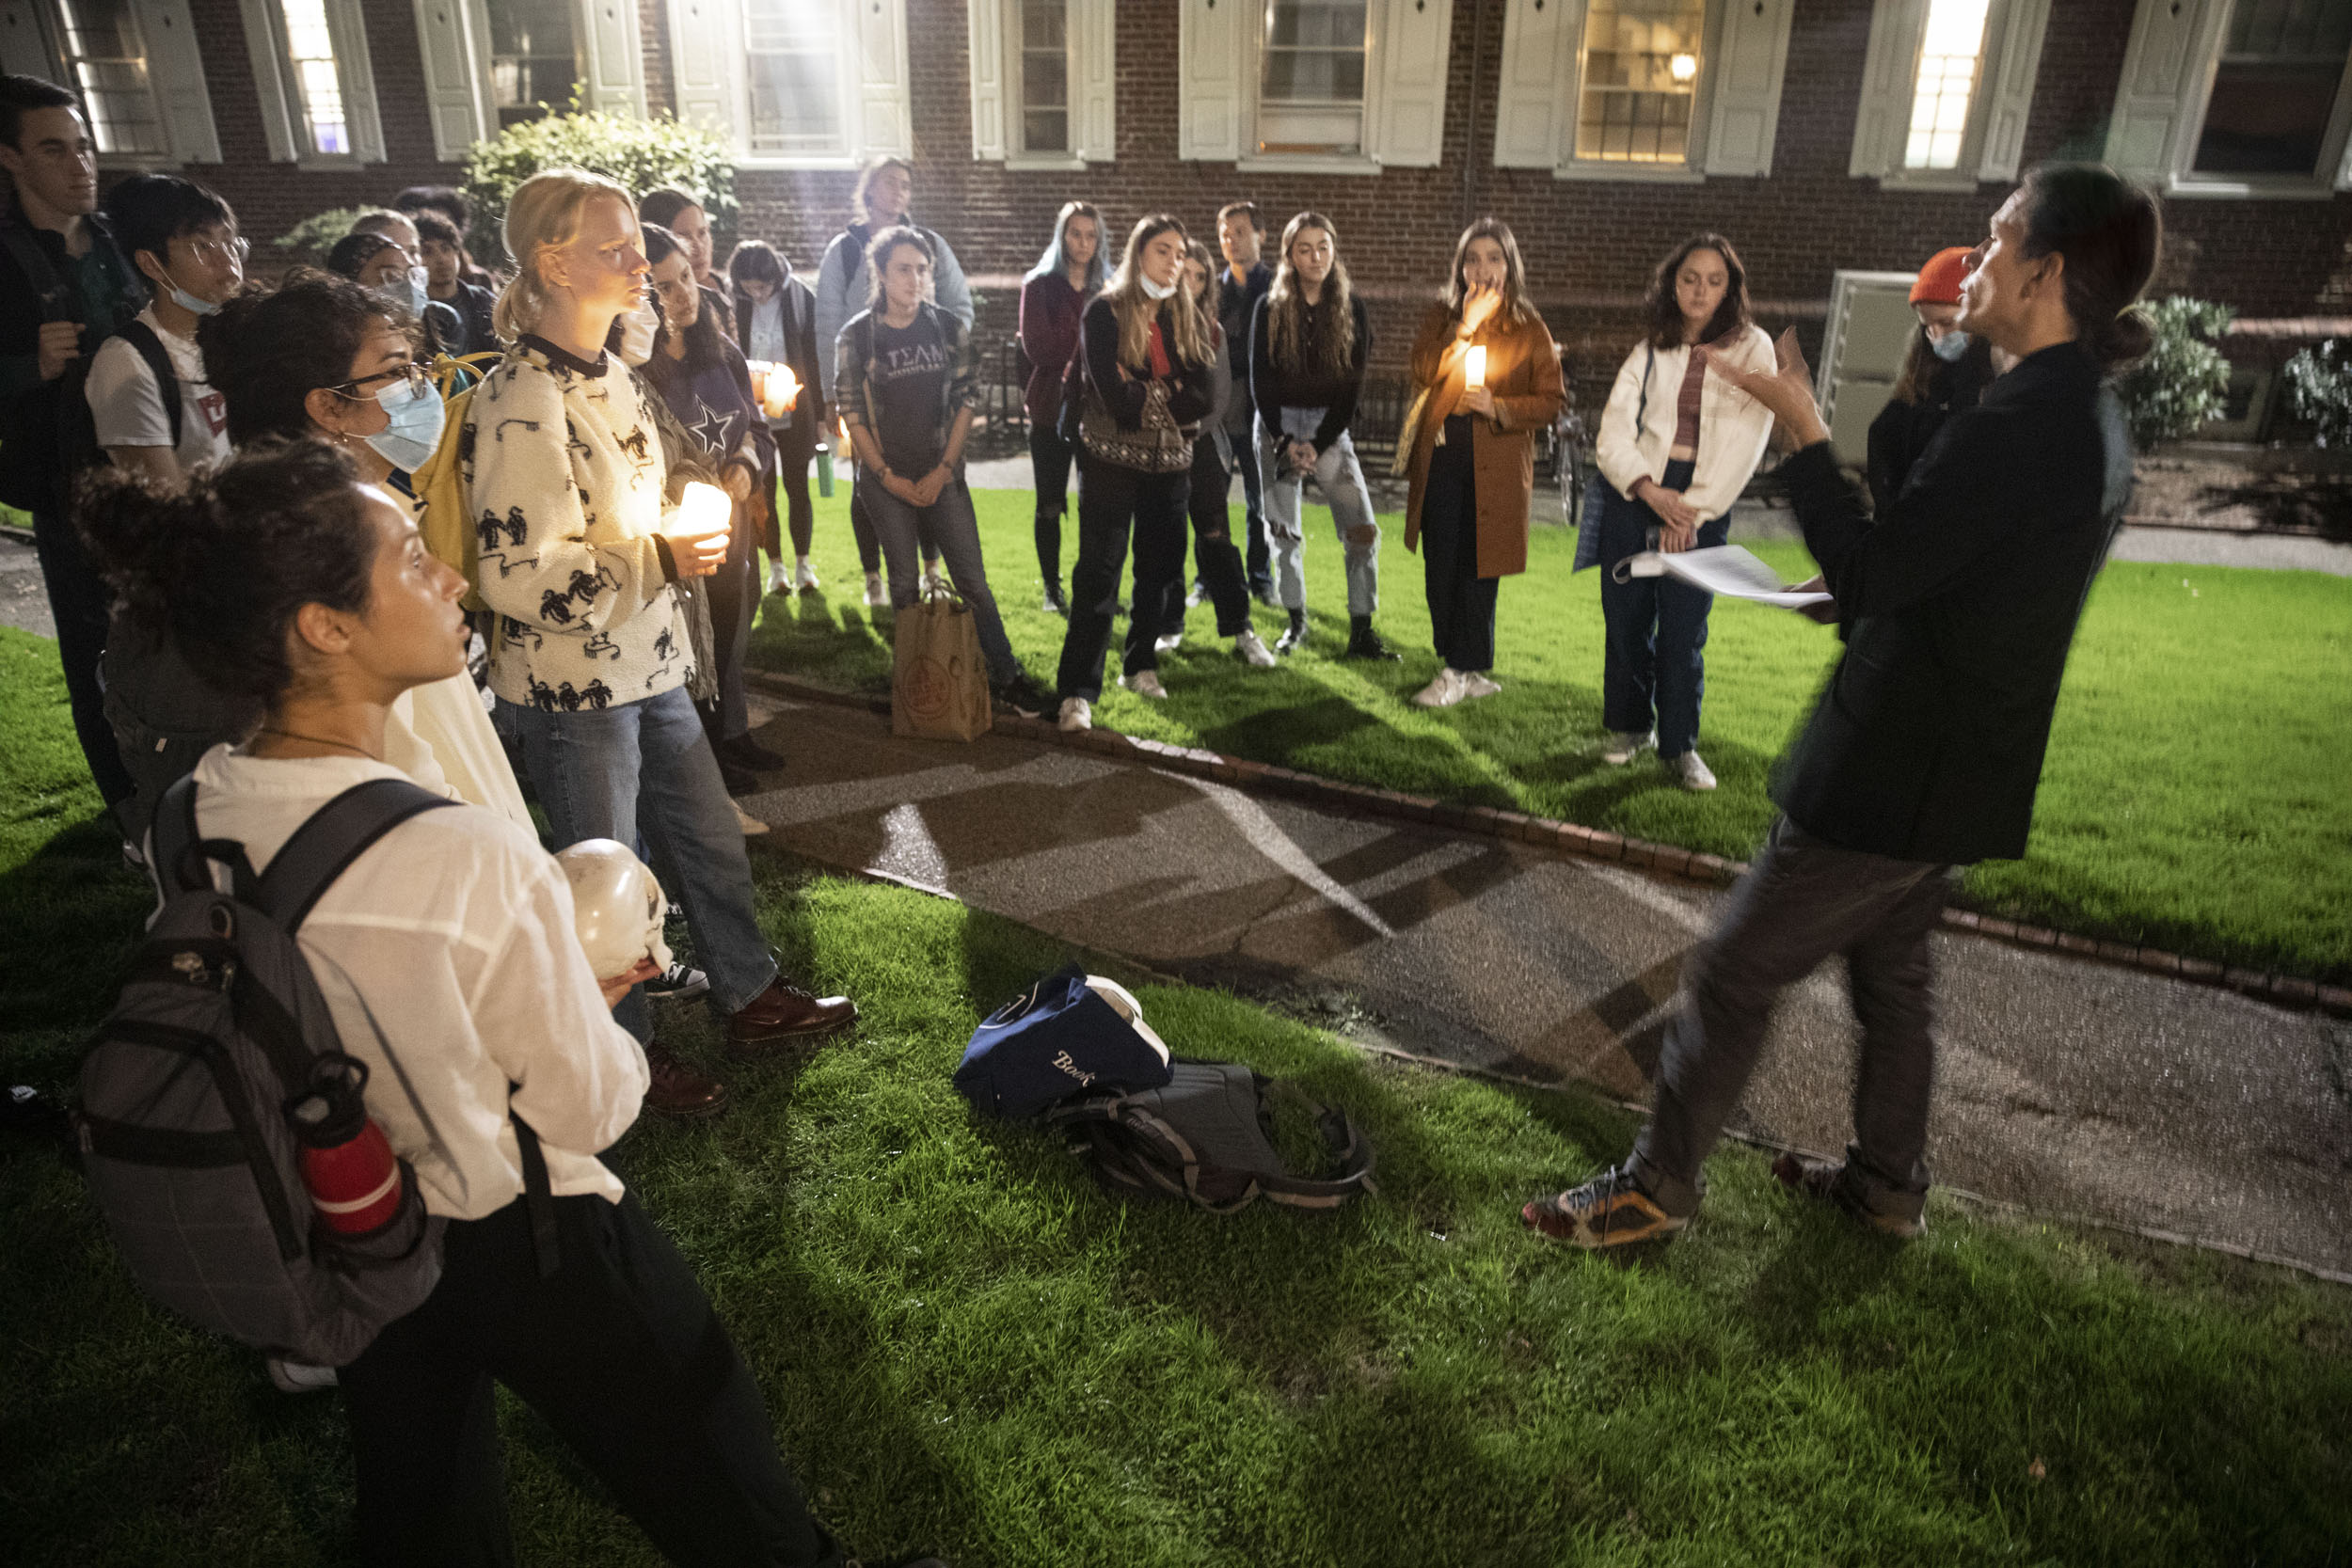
x,y
348,1166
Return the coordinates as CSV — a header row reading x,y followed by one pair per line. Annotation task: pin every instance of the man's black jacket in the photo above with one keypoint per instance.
x,y
1957,608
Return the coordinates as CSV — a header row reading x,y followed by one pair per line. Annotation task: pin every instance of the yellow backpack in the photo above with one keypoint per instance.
x,y
446,521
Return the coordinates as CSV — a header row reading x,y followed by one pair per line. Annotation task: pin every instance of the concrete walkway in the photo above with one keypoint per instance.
x,y
2067,1086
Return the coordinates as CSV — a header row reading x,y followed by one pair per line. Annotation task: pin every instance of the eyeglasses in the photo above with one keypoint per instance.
x,y
419,375
216,251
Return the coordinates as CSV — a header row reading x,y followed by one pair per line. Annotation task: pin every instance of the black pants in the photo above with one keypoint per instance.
x,y
1110,499
1260,564
79,603
1215,556
1461,603
1049,467
621,1353
869,557
733,595
792,458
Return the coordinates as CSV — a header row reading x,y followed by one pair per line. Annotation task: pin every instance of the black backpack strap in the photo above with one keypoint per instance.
x,y
337,834
538,1198
179,850
1348,1146
151,348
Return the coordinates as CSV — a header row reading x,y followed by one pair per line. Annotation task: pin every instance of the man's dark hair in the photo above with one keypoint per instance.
x,y
448,200
1241,209
23,95
150,211
265,349
755,259
433,229
1664,311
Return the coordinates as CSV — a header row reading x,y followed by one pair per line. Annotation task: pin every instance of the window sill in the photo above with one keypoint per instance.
x,y
1941,181
1045,162
1308,163
1632,174
2194,187
759,162
140,161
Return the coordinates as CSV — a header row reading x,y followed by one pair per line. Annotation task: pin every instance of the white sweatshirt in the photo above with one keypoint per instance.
x,y
1733,426
446,954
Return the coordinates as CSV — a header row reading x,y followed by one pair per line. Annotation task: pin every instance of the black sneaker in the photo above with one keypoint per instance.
x,y
1609,1210
1824,1181
678,983
738,779
1295,637
1025,696
746,752
1055,602
1364,642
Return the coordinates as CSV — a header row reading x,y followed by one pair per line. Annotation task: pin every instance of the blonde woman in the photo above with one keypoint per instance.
x,y
589,653
1308,339
1149,363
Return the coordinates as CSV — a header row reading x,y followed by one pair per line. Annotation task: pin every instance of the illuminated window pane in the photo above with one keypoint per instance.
x,y
534,59
2275,87
795,65
107,60
1949,53
1046,75
1638,82
1311,85
318,86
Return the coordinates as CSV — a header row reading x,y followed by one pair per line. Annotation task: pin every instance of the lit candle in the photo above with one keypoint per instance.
x,y
704,509
782,391
1477,372
759,369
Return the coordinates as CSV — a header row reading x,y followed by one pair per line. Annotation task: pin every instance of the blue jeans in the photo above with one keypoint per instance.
x,y
1655,669
645,767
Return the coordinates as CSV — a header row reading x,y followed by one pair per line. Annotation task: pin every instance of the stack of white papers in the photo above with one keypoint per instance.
x,y
1727,570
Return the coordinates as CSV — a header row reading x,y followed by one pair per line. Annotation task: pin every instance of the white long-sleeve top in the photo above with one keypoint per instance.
x,y
1733,426
446,954
565,476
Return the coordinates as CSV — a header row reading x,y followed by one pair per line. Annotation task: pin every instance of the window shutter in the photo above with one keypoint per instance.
x,y
1094,26
1209,89
453,82
988,83
175,69
1408,128
705,53
1536,93
616,72
1889,80
269,78
885,113
2009,78
2157,64
1750,58
347,26
23,49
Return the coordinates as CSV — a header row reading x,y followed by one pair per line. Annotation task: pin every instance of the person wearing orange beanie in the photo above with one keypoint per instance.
x,y
1943,372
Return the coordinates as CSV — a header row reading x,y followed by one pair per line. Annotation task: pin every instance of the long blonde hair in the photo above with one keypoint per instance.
x,y
543,214
1288,307
1136,309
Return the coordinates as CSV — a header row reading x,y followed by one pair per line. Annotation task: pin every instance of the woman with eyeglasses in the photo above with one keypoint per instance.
x,y
379,264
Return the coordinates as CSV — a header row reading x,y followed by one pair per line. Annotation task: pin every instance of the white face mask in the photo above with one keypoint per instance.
x,y
1951,347
1154,290
637,334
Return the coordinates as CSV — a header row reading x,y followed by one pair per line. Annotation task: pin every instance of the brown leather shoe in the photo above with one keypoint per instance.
x,y
677,1090
784,1013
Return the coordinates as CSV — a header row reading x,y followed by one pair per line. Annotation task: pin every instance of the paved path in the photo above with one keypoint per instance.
x,y
2071,1086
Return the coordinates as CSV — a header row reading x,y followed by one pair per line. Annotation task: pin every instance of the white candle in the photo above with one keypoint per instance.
x,y
1477,372
783,393
704,509
759,369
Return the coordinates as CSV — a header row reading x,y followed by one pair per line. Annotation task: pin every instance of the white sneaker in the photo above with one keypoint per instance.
x,y
1477,684
934,583
752,827
1145,683
1446,691
1169,643
1252,652
803,576
1076,714
298,1377
876,596
779,578
1199,592
1622,744
1689,771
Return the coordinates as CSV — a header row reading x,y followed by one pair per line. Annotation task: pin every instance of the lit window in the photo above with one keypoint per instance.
x,y
535,57
1310,89
108,61
1045,76
2274,88
1950,51
318,86
795,62
1639,80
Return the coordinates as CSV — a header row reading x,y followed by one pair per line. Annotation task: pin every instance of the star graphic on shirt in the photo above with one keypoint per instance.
x,y
711,429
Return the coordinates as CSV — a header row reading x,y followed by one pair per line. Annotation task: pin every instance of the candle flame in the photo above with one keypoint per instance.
x,y
1477,372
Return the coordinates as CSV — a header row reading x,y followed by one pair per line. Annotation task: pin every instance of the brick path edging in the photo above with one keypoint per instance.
x,y
2285,991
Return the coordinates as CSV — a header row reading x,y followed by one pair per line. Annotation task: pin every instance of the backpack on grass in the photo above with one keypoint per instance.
x,y
187,1088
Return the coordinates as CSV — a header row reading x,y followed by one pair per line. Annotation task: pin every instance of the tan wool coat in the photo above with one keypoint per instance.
x,y
1523,373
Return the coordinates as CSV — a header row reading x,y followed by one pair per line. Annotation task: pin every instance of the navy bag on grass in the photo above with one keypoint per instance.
x,y
1068,1034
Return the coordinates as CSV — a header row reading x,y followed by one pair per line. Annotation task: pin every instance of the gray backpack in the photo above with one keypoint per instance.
x,y
183,1124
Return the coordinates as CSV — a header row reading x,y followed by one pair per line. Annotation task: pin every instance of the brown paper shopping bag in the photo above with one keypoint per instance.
x,y
938,682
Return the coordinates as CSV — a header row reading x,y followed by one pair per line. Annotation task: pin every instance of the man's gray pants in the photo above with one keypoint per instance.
x,y
1803,901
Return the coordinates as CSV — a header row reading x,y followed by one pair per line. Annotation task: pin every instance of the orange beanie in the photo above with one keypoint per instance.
x,y
1939,281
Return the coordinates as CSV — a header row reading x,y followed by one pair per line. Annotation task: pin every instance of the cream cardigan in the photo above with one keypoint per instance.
x,y
1733,426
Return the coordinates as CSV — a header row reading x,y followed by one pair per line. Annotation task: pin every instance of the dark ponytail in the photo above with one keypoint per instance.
x,y
2109,232
224,562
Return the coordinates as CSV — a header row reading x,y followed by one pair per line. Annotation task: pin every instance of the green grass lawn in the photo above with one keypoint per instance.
x,y
2194,796
971,1349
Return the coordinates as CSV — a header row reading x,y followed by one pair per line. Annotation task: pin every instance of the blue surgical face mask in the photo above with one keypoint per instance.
x,y
409,295
187,301
1951,346
414,432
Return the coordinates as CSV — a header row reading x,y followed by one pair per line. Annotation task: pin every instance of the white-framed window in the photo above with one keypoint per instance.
x,y
489,64
136,65
795,84
1947,89
1666,91
1044,82
317,83
2236,98
1348,86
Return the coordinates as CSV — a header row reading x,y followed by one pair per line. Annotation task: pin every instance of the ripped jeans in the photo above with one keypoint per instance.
x,y
1341,479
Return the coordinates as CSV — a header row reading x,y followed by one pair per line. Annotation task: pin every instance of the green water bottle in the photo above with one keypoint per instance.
x,y
824,470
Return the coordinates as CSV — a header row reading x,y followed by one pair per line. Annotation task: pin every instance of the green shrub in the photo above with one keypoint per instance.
x,y
2319,391
2179,385
639,153
314,236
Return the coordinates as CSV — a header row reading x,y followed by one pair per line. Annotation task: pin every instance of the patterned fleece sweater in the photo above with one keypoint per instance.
x,y
565,474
